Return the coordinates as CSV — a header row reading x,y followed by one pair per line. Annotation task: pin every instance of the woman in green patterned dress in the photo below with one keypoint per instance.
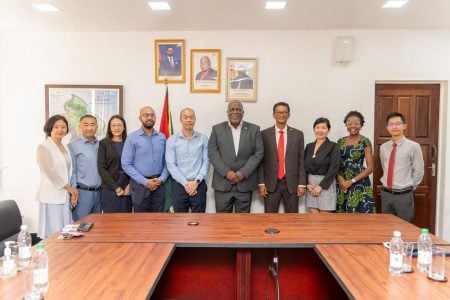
x,y
354,191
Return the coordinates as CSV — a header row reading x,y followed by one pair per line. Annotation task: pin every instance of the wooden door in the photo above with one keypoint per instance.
x,y
420,105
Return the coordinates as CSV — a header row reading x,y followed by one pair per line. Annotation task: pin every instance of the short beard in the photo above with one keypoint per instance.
x,y
148,126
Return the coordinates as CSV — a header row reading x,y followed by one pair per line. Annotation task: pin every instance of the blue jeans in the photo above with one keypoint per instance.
x,y
88,203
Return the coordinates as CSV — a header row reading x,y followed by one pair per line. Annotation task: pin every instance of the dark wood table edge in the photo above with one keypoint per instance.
x,y
338,279
160,273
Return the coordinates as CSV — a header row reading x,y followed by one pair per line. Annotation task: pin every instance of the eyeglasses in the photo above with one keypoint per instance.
x,y
148,115
394,124
353,124
235,110
281,113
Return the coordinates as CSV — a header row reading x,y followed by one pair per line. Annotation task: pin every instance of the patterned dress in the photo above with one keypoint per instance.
x,y
359,196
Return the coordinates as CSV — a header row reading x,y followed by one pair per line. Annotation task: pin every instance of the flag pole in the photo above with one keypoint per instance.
x,y
166,127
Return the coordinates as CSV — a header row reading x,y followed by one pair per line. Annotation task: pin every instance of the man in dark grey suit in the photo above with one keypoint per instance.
x,y
281,174
235,149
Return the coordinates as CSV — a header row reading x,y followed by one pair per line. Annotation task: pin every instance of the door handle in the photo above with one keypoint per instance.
x,y
433,169
433,152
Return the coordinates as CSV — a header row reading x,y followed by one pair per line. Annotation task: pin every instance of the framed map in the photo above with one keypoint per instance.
x,y
75,101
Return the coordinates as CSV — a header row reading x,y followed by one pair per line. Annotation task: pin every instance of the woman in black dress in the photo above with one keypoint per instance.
x,y
115,182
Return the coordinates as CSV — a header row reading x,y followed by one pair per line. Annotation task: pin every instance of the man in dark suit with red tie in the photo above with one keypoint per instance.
x,y
281,174
169,64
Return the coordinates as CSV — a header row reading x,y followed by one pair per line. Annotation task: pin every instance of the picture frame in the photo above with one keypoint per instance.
x,y
75,101
242,79
170,70
205,70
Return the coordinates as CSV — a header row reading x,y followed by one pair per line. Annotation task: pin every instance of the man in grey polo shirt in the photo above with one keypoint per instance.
x,y
403,169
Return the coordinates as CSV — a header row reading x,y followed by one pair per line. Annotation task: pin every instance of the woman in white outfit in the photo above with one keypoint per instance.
x,y
55,195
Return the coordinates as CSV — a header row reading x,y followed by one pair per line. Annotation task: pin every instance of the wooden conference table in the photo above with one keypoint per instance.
x,y
226,256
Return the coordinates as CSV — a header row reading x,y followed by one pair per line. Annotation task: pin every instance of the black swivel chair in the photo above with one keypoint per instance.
x,y
10,222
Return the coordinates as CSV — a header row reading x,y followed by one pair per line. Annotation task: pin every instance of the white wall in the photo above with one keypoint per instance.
x,y
294,66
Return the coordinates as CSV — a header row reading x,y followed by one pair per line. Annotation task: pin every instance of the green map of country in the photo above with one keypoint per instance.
x,y
75,108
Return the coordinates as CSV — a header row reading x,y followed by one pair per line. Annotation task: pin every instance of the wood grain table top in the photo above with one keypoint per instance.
x,y
246,230
124,255
363,272
98,271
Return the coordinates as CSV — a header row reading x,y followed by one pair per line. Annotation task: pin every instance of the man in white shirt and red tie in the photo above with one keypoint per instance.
x,y
403,169
281,174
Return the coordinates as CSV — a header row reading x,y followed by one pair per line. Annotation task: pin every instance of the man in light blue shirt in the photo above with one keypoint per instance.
x,y
188,163
85,177
143,160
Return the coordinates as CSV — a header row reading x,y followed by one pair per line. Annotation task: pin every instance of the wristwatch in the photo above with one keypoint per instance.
x,y
353,180
198,181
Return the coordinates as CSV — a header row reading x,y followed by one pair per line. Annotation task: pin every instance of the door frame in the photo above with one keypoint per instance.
x,y
443,125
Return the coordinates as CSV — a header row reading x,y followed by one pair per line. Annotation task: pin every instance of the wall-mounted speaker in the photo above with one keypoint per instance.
x,y
344,49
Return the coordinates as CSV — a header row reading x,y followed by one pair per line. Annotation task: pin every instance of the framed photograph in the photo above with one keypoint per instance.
x,y
75,101
169,61
242,79
205,71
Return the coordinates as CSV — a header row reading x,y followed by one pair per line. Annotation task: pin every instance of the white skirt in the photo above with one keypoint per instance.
x,y
327,197
52,218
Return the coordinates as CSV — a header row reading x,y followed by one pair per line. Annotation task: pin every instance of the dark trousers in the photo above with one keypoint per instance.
x,y
273,199
145,200
111,203
226,200
400,205
181,201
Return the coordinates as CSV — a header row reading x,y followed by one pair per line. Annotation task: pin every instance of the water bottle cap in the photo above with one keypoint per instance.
x,y
23,227
397,234
40,246
8,243
425,230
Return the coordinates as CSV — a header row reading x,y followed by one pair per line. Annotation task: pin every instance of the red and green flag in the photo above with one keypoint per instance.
x,y
165,127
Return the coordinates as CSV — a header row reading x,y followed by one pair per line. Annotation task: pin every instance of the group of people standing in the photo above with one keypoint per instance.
x,y
124,173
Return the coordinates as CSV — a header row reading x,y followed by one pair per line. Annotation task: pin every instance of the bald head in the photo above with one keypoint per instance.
x,y
147,117
187,119
146,108
235,113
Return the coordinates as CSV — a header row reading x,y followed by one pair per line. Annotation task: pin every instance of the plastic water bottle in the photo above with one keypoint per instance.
x,y
9,268
40,270
24,243
396,254
424,256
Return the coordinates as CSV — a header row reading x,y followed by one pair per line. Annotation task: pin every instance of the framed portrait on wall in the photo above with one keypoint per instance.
x,y
75,101
205,71
242,79
169,61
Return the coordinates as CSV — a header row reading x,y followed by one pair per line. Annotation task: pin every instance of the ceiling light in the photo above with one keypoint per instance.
x,y
45,7
159,5
395,3
275,4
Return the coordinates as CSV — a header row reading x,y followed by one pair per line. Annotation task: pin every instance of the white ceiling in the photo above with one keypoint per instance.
x,y
136,15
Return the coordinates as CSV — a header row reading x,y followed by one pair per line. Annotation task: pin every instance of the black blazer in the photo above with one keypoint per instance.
x,y
326,162
109,167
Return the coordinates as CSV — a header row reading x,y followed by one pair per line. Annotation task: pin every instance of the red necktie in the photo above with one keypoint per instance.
x,y
281,156
390,174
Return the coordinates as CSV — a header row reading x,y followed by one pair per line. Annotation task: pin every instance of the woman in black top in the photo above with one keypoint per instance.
x,y
321,165
115,182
